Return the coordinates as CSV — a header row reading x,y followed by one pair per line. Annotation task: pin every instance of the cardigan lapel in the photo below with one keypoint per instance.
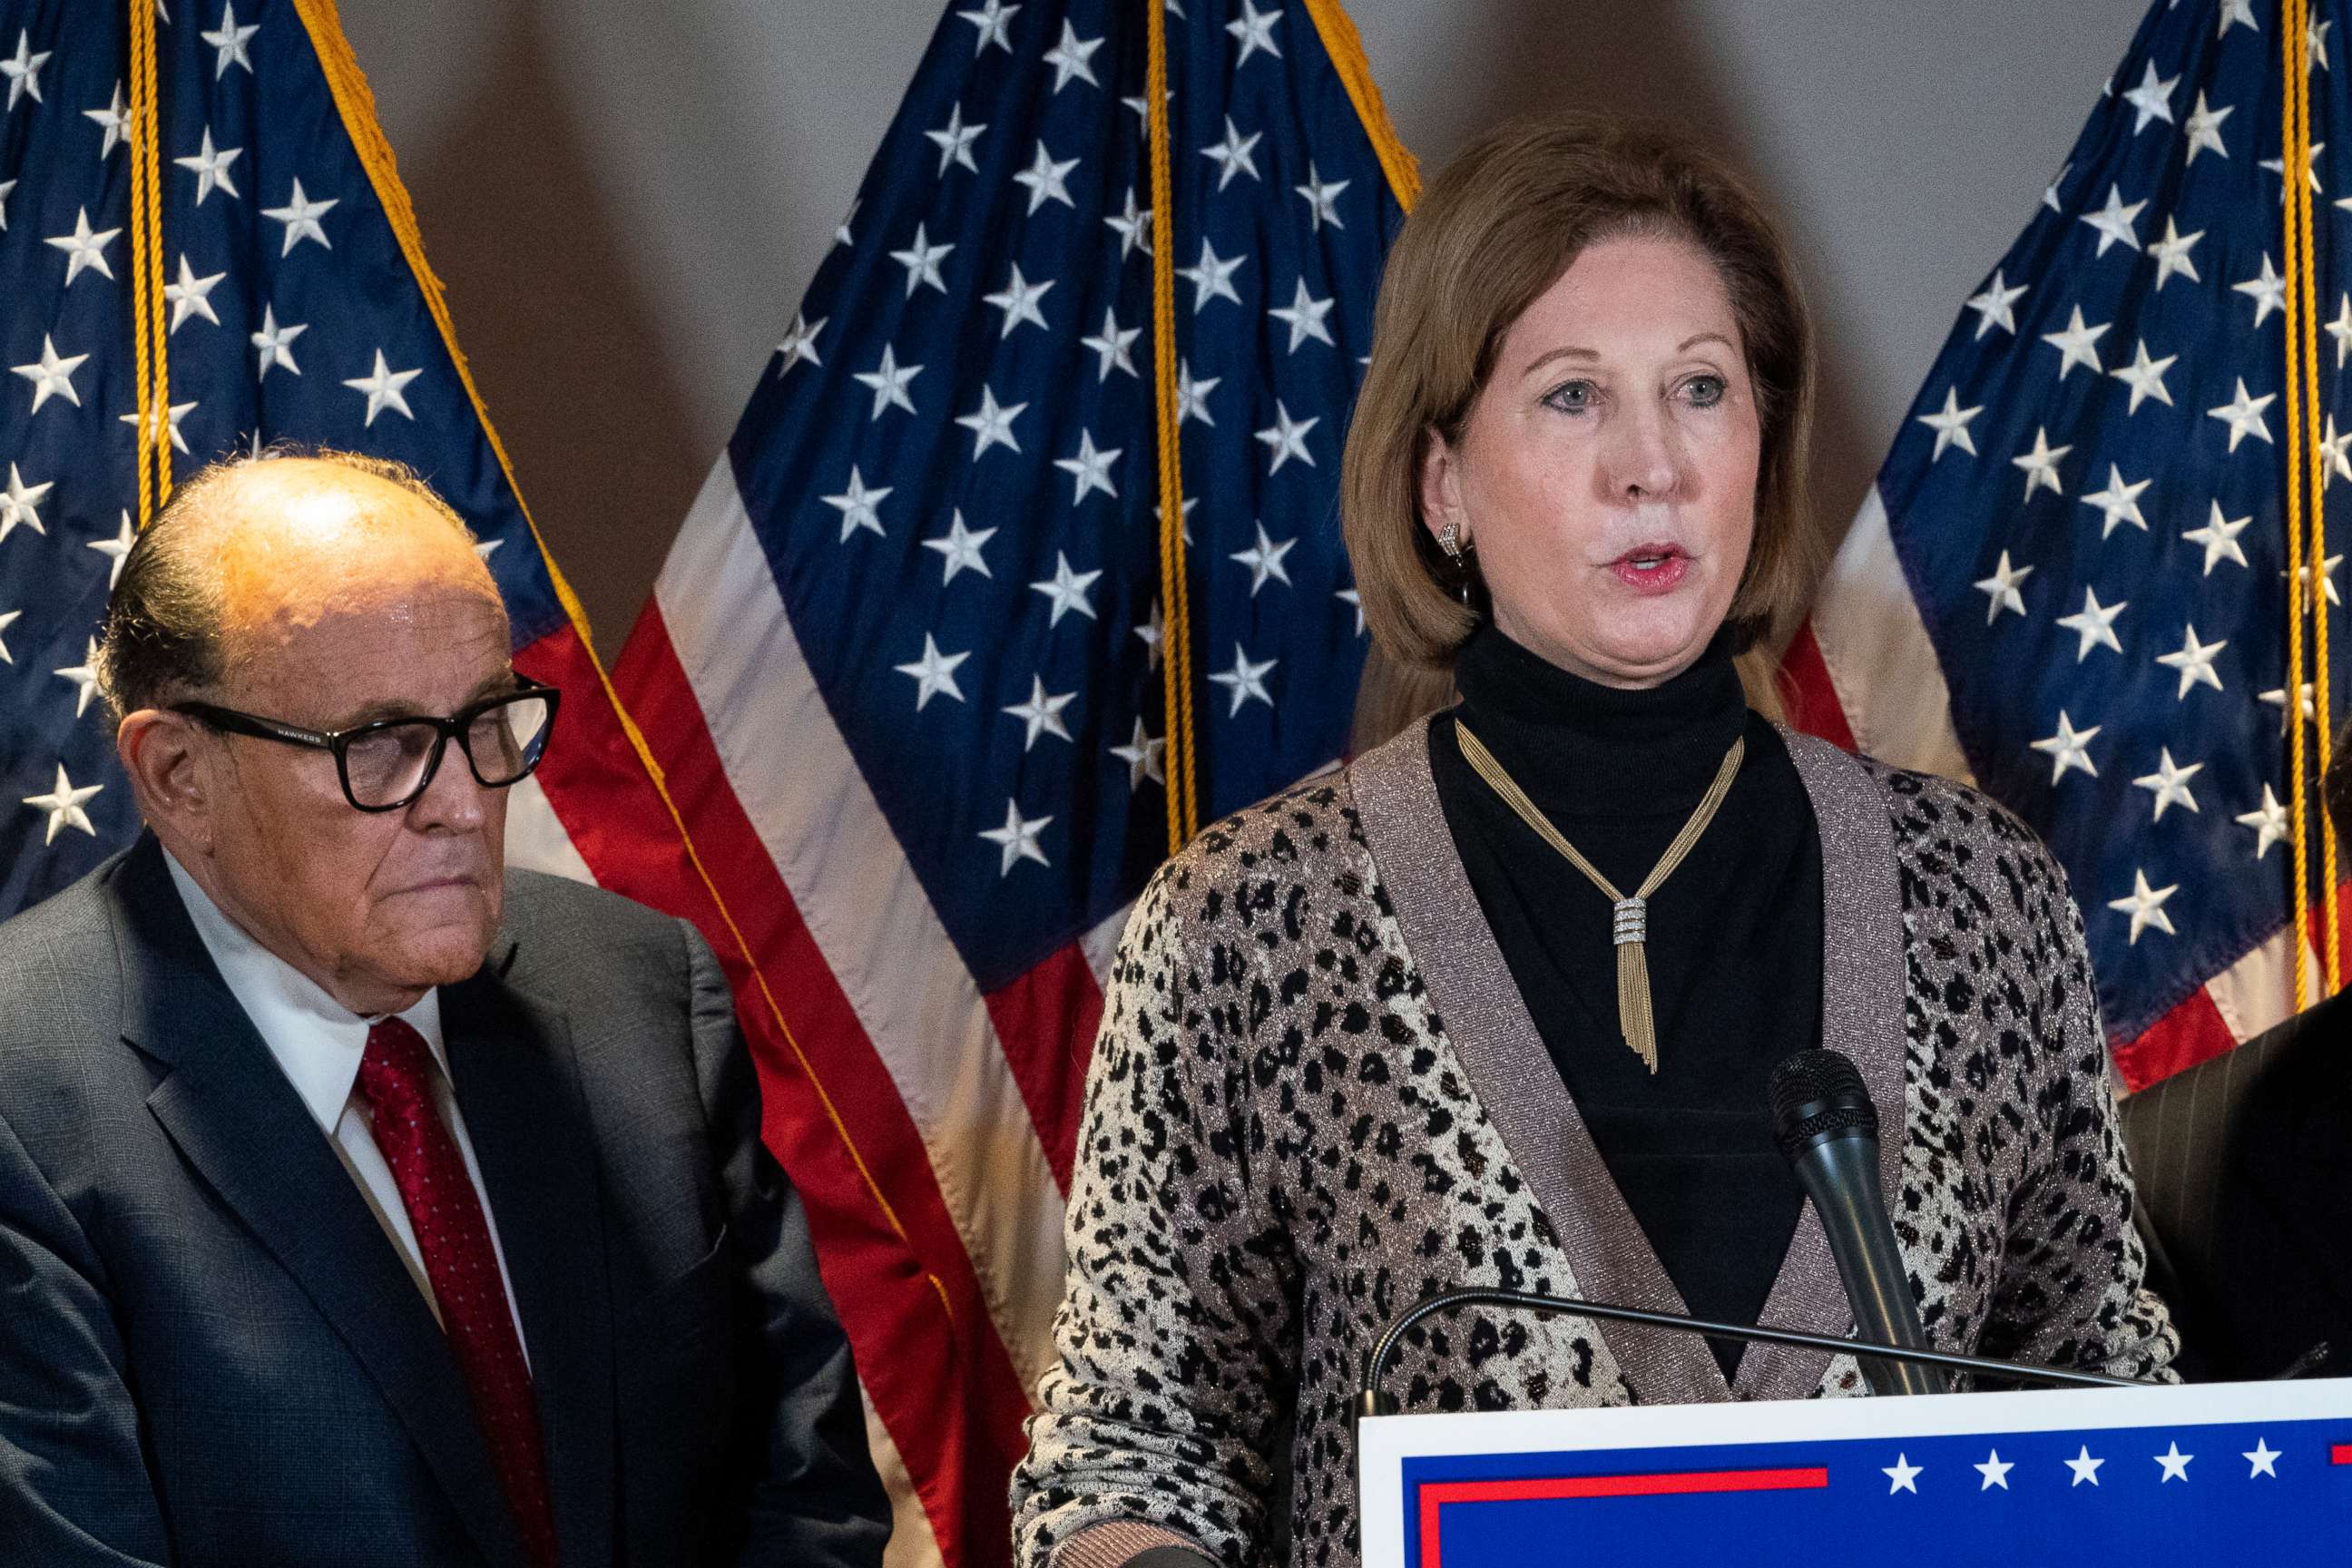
x,y
1488,1022
238,1122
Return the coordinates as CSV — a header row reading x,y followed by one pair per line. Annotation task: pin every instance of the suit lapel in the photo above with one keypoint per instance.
x,y
233,1116
518,1080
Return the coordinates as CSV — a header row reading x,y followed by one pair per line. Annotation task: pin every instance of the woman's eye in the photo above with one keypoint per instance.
x,y
1574,397
1705,391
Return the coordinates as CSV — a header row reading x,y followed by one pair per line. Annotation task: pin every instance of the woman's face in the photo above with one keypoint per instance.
x,y
1607,473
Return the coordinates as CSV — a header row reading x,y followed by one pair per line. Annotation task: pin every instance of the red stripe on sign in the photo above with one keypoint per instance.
x,y
2192,1032
1811,694
1435,1495
1046,1020
951,1399
2340,1454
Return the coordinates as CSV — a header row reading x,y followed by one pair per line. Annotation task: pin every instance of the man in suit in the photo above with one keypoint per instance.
x,y
360,1201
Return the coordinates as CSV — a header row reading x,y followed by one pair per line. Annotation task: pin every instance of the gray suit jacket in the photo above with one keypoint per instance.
x,y
210,1352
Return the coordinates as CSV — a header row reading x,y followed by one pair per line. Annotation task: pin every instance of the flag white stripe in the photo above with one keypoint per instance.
x,y
792,770
1886,673
535,837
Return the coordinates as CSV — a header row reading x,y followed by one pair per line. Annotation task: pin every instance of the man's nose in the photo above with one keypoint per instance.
x,y
454,800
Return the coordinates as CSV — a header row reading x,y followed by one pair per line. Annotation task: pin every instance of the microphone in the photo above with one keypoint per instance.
x,y
1828,1131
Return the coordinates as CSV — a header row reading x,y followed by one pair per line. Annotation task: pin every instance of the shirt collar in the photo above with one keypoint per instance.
x,y
316,1041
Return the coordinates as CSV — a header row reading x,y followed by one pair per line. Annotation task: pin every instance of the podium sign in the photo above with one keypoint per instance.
x,y
2219,1474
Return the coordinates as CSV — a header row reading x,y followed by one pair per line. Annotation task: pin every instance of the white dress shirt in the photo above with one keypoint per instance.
x,y
318,1042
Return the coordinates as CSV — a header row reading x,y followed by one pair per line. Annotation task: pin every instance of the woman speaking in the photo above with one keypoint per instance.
x,y
1498,1004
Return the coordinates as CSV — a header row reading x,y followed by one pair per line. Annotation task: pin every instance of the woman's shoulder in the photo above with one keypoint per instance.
x,y
1313,819
1930,810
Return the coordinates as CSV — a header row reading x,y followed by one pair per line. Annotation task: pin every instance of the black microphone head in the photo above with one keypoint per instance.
x,y
1818,1095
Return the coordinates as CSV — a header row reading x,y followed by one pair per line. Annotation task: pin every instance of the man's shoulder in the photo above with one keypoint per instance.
x,y
561,929
59,957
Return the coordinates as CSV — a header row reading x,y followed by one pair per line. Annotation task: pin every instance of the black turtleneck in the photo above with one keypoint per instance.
x,y
1734,949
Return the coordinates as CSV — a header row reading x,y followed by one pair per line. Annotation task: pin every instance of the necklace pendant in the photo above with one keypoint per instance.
x,y
1632,922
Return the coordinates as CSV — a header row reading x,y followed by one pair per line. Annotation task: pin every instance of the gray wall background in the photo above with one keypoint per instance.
x,y
627,198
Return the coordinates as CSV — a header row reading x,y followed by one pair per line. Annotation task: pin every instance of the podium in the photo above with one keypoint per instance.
x,y
2219,1474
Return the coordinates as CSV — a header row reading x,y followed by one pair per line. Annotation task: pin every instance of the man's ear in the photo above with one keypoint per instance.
x,y
169,758
1441,489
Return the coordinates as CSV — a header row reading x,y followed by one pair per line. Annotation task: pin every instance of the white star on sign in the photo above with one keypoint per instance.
x,y
1286,438
172,417
1089,471
2116,221
992,19
2261,1455
888,379
229,41
2243,414
2268,290
64,805
1042,714
2144,377
800,342
2276,698
1133,227
383,386
273,345
1017,838
2075,344
2070,746
84,675
1193,394
859,507
2171,255
20,503
114,120
301,215
2340,329
1112,345
24,72
2085,1468
991,424
961,548
2119,502
1304,317
211,167
1046,179
1320,198
2270,825
1018,299
2204,129
922,260
1255,29
1904,1476
1995,1471
1264,560
1070,59
1232,155
2169,784
52,375
116,549
2175,1463
2152,99
2220,538
2146,906
1245,681
954,142
1213,279
1995,306
2094,624
191,295
2041,465
934,673
85,249
1951,425
1141,756
1067,590
2001,588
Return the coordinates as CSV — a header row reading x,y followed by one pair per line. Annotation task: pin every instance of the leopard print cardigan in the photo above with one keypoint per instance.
x,y
1318,1098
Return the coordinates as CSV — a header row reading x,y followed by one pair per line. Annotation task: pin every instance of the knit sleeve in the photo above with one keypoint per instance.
x,y
1178,1330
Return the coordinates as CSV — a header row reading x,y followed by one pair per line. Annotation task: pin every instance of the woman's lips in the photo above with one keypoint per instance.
x,y
1652,568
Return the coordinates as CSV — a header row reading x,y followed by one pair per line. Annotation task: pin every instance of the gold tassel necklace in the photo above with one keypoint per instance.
x,y
1634,1015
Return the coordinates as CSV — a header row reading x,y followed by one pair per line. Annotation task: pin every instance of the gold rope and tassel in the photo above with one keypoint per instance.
x,y
151,377
1176,634
1630,916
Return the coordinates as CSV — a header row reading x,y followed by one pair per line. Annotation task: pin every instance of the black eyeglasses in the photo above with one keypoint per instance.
x,y
386,765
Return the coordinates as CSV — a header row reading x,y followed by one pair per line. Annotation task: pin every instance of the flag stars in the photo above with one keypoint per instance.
x,y
2169,782
2094,624
191,296
65,803
2144,377
2311,170
114,120
2145,905
2172,257
859,507
1305,317
1255,29
1246,681
2326,581
172,417
1951,425
888,380
2204,129
800,342
2266,289
2117,222
2085,1468
1212,277
274,345
117,548
1193,394
1321,199
2340,329
2077,345
992,424
2235,12
1018,838
2041,465
52,375
990,20
1354,600
1112,346
1996,305
383,388
1018,299
24,72
2333,458
2069,748
1066,590
1232,155
1142,756
961,549
1286,438
20,503
301,215
934,673
85,249
2175,1463
2314,40
2220,538
1133,227
5,186
921,259
1995,1471
2001,588
1264,560
1903,1476
2276,698
1071,59
1046,178
2152,99
1151,633
84,675
1089,469
1042,714
954,140
211,167
2118,504
2243,414
229,42
2269,821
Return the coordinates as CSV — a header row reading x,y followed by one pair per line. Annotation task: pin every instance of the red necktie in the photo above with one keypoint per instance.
x,y
396,1078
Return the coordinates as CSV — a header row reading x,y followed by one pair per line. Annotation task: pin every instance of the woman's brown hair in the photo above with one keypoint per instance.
x,y
1491,233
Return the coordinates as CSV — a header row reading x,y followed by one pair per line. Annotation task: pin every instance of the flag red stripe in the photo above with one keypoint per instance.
x,y
951,1399
1811,695
2194,1031
1047,1019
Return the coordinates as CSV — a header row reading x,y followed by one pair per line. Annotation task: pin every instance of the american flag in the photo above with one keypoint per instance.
x,y
903,669
2069,581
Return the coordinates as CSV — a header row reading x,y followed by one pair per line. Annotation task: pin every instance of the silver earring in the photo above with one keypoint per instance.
x,y
1449,539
